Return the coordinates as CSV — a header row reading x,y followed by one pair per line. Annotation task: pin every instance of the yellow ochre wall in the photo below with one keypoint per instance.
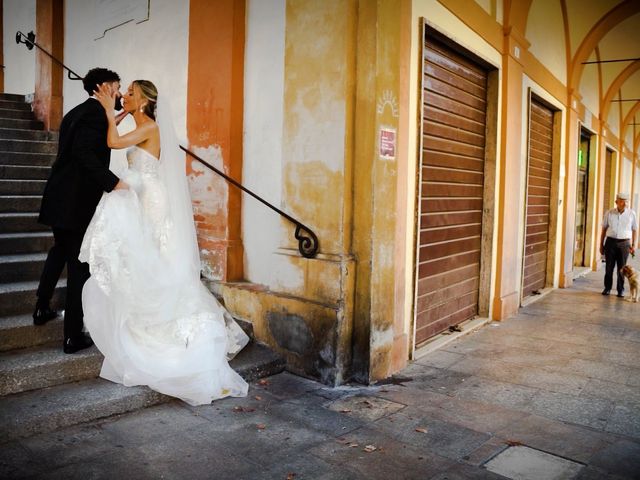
x,y
352,67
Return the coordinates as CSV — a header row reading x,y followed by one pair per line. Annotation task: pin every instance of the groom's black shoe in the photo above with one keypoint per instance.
x,y
73,344
43,315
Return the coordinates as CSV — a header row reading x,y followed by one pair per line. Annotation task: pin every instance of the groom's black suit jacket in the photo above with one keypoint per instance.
x,y
80,173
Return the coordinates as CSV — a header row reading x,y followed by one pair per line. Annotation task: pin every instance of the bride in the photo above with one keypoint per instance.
x,y
147,311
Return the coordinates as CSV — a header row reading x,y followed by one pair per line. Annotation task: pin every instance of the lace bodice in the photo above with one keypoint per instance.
x,y
142,177
142,161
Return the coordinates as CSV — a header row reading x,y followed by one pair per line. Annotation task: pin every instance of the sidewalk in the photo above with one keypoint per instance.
x,y
557,386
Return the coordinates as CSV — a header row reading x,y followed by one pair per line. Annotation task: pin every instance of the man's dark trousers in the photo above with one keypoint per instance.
x,y
79,177
616,253
65,250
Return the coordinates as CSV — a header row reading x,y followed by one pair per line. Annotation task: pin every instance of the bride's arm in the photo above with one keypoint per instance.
x,y
114,139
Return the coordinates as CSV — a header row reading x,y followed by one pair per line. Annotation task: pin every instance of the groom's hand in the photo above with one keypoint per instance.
x,y
121,186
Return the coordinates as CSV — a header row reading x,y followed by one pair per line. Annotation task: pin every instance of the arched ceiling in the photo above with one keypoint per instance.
x,y
598,30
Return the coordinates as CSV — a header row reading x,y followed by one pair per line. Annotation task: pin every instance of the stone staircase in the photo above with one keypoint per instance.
x,y
41,388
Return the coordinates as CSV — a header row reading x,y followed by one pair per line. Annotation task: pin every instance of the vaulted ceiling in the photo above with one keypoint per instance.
x,y
566,33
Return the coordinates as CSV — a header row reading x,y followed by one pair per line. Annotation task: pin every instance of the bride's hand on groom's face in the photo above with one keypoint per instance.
x,y
106,97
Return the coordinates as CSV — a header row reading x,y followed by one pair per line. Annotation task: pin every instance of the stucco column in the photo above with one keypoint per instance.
x,y
507,292
214,130
47,103
599,193
634,160
380,342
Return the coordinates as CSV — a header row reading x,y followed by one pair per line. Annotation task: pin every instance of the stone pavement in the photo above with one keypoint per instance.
x,y
561,378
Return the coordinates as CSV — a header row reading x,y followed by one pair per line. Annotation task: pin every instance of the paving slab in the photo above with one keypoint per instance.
x,y
316,415
408,394
478,416
625,420
574,442
490,391
588,411
524,463
363,407
426,432
620,458
389,458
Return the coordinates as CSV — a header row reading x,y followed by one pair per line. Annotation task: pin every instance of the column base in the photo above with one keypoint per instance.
x,y
506,306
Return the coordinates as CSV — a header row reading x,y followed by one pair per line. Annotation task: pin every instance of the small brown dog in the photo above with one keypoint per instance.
x,y
631,274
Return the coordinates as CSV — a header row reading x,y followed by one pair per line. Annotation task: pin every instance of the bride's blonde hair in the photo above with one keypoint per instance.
x,y
150,92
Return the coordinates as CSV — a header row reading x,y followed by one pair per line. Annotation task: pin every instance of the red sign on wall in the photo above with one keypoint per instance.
x,y
387,146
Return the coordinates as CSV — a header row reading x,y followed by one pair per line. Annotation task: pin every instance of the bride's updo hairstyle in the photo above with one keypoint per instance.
x,y
150,92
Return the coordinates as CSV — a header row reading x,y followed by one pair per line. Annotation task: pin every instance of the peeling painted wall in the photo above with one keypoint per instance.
x,y
208,194
262,230
19,63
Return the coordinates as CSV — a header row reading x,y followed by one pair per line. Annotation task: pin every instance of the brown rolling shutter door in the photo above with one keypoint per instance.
x,y
451,199
538,198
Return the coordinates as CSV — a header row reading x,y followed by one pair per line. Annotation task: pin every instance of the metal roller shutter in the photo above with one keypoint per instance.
x,y
452,187
538,198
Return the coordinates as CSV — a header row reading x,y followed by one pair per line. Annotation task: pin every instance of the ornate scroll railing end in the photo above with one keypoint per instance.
x,y
307,241
73,76
29,39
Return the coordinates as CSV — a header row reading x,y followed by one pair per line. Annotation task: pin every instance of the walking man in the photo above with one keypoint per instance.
x,y
617,240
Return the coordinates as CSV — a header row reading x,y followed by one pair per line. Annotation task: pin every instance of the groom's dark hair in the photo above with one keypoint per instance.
x,y
96,76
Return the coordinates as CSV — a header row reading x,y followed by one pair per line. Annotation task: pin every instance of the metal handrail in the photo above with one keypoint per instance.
x,y
30,41
307,240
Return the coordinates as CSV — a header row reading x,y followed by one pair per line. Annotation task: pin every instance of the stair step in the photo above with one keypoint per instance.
x,y
23,134
19,298
21,124
23,242
19,204
46,366
20,332
28,146
20,222
12,97
22,187
15,105
52,408
23,267
22,158
16,114
257,361
24,172
55,407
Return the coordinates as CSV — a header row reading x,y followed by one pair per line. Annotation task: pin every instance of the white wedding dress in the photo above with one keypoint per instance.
x,y
144,305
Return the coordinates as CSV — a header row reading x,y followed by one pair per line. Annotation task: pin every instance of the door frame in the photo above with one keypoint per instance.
x,y
589,238
490,174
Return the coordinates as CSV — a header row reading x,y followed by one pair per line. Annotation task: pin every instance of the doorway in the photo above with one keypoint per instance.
x,y
582,199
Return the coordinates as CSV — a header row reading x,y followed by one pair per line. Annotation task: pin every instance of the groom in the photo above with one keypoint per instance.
x,y
79,176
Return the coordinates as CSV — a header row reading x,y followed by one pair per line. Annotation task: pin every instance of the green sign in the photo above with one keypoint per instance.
x,y
580,159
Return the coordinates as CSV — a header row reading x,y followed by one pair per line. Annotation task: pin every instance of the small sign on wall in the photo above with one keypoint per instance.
x,y
387,143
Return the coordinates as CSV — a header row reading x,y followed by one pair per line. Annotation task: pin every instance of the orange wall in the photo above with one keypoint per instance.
x,y
47,104
214,119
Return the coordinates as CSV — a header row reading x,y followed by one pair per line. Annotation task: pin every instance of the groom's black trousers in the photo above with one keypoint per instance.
x,y
65,250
